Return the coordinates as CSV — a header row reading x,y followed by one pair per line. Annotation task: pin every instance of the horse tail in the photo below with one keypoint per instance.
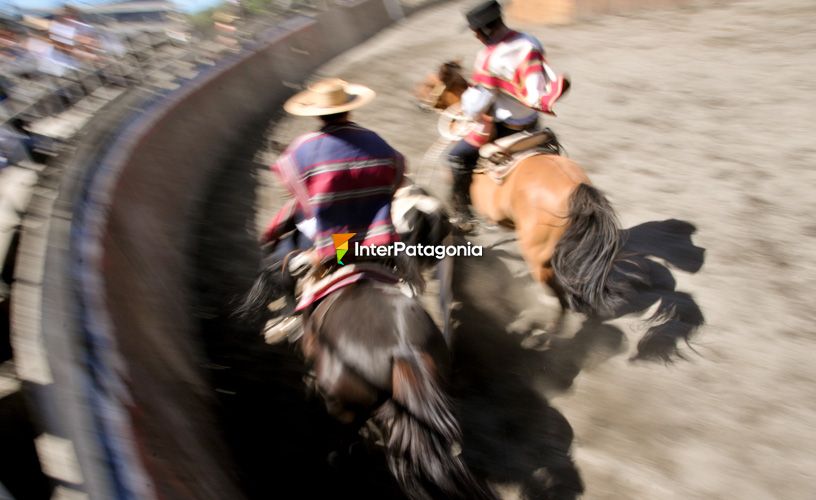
x,y
585,255
422,435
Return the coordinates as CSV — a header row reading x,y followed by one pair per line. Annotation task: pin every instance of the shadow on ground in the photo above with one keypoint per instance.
x,y
651,251
513,435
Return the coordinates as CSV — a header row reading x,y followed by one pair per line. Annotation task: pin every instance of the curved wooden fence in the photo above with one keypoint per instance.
x,y
102,334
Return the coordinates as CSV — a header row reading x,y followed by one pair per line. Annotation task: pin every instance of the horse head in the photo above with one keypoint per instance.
x,y
420,218
441,90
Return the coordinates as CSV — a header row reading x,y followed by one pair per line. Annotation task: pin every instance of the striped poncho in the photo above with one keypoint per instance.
x,y
345,177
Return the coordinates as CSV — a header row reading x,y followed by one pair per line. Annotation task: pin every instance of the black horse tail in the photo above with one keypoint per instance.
x,y
422,435
584,257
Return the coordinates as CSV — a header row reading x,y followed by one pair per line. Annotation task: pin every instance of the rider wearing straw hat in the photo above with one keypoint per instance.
x,y
513,85
342,177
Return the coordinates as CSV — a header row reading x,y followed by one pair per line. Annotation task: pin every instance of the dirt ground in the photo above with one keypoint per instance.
x,y
698,125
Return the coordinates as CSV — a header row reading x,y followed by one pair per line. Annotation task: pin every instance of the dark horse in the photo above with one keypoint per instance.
x,y
377,355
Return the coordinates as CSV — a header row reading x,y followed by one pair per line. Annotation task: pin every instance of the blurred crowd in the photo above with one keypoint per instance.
x,y
48,64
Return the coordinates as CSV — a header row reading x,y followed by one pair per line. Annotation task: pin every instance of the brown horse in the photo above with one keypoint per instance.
x,y
567,231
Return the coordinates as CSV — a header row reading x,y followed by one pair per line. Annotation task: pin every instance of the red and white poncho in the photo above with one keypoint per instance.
x,y
515,70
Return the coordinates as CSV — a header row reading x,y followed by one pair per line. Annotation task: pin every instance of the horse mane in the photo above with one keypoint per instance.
x,y
450,73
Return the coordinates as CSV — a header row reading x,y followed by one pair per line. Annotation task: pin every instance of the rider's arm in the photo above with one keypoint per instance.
x,y
542,86
287,170
282,223
476,101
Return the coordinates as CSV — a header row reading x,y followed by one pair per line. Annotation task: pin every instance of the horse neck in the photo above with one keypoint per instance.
x,y
453,80
453,92
449,98
458,85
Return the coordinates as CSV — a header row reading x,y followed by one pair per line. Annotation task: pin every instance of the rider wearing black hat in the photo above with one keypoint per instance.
x,y
513,85
483,15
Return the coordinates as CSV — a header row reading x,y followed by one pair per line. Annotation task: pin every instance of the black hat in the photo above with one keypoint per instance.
x,y
483,14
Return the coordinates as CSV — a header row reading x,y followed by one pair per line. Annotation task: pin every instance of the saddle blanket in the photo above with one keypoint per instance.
x,y
314,290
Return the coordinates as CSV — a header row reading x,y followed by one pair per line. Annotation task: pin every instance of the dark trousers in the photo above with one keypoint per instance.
x,y
289,243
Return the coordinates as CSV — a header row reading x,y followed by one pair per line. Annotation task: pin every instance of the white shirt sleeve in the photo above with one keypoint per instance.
x,y
476,100
308,227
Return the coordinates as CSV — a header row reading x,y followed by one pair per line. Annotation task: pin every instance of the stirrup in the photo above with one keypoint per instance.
x,y
278,329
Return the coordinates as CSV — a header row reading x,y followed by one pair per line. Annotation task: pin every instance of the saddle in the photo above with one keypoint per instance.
x,y
500,157
314,287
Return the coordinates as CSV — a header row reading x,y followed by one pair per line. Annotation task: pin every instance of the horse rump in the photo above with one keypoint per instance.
x,y
422,435
585,255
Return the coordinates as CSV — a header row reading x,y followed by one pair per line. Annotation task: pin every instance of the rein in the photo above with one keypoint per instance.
x,y
436,93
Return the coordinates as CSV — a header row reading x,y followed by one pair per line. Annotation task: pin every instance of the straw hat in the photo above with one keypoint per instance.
x,y
328,97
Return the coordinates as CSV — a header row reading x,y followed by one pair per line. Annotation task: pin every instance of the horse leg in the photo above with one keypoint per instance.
x,y
348,399
347,395
537,246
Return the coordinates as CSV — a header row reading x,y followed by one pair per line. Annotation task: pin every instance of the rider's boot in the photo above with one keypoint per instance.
x,y
462,218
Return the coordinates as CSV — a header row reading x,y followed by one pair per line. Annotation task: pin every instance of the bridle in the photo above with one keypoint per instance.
x,y
431,102
435,96
436,93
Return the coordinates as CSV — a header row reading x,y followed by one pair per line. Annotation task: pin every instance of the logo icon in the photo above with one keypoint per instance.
x,y
341,245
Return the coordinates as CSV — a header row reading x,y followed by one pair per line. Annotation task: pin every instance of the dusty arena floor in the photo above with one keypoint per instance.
x,y
698,125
